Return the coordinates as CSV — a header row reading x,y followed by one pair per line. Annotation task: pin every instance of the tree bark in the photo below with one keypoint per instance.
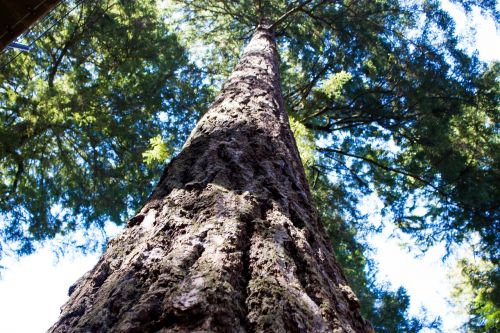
x,y
229,241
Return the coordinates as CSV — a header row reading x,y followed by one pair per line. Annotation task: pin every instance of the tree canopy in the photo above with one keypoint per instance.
x,y
78,115
382,99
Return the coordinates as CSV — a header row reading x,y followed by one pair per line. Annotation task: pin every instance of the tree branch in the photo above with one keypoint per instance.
x,y
288,13
385,167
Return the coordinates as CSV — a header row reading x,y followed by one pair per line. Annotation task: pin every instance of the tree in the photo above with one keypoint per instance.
x,y
355,74
229,240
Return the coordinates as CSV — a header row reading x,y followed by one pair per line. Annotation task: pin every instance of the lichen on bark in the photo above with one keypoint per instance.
x,y
229,240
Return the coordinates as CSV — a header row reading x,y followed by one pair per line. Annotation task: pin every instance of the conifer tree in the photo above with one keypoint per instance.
x,y
229,240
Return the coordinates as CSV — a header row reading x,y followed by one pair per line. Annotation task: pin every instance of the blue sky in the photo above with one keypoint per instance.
x,y
33,288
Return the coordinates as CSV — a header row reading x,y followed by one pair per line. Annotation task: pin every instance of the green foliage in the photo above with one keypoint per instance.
x,y
413,117
478,291
391,314
159,152
332,87
77,113
387,310
305,142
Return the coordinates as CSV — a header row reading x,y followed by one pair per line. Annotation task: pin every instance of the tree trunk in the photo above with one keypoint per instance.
x,y
229,241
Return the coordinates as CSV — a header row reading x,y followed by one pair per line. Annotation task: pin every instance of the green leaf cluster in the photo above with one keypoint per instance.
x,y
158,153
477,291
305,142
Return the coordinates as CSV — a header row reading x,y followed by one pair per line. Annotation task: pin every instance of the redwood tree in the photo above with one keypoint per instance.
x,y
229,241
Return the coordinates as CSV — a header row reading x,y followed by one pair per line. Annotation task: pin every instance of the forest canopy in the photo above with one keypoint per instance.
x,y
381,97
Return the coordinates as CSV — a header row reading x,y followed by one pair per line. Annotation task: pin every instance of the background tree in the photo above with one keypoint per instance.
x,y
78,113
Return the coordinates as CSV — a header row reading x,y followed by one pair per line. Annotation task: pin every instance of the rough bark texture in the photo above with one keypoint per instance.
x,y
229,240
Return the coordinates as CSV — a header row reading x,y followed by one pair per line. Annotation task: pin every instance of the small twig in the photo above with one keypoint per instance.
x,y
288,13
387,168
